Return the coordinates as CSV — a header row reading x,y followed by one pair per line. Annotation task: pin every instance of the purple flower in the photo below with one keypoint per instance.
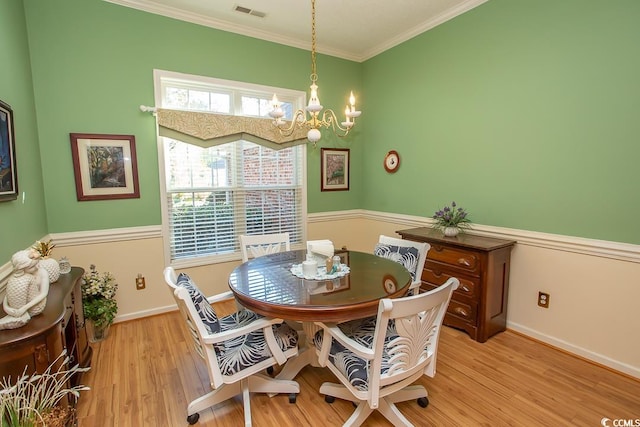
x,y
451,216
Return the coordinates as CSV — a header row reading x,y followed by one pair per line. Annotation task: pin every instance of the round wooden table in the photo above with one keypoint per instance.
x,y
267,286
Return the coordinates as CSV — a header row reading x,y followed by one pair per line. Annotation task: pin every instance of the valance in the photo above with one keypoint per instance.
x,y
210,129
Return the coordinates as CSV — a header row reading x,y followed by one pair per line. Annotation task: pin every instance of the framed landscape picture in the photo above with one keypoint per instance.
x,y
8,172
105,166
334,167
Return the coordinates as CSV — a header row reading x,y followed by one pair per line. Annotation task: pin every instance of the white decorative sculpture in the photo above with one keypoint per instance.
x,y
26,291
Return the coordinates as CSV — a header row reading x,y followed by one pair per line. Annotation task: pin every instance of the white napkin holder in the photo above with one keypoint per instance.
x,y
320,250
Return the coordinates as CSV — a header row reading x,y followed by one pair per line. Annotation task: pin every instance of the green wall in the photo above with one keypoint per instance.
x,y
23,220
93,66
525,112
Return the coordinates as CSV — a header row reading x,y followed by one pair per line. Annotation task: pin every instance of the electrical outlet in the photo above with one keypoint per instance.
x,y
543,299
140,284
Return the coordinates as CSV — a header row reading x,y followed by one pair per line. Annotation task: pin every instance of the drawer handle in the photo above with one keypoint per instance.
x,y
461,311
465,288
464,261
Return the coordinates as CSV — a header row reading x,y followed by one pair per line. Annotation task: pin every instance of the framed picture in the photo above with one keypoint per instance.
x,y
105,166
8,172
334,168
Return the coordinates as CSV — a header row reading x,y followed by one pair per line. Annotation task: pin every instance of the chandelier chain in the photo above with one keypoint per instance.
x,y
314,75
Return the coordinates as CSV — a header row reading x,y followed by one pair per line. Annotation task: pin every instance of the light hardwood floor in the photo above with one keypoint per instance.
x,y
145,374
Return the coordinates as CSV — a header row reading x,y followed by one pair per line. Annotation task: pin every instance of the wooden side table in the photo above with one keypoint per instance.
x,y
37,344
479,305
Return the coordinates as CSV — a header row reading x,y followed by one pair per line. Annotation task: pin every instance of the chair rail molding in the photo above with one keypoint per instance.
x,y
600,248
105,236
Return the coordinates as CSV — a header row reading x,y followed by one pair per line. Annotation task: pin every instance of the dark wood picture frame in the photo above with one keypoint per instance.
x,y
105,166
8,165
334,169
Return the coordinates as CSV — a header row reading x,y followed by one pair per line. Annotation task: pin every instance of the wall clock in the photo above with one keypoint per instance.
x,y
391,161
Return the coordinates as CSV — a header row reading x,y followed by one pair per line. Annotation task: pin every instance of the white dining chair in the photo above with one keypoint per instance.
x,y
256,245
377,358
236,348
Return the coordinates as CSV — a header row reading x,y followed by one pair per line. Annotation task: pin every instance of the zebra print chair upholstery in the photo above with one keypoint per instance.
x,y
377,359
236,348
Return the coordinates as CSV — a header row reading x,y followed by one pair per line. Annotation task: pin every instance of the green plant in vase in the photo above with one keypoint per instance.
x,y
98,299
451,220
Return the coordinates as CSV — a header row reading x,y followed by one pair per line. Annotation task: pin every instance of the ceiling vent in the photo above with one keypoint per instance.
x,y
248,11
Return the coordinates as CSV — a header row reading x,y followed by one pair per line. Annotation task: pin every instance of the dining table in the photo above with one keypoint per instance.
x,y
274,286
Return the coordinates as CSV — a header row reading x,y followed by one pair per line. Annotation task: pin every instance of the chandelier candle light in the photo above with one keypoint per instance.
x,y
316,121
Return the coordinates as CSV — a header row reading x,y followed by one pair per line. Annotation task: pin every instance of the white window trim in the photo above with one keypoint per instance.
x,y
297,98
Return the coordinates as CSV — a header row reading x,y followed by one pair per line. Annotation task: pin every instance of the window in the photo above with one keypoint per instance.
x,y
214,194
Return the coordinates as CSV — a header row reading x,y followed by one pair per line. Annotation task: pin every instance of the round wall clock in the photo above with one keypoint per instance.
x,y
391,161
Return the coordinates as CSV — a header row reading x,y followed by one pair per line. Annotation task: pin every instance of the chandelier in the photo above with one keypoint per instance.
x,y
315,121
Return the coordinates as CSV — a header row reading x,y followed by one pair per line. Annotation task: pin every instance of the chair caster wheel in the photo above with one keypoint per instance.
x,y
423,402
193,418
270,370
329,399
292,397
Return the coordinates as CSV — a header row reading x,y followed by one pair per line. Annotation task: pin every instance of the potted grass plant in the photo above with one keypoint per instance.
x,y
36,400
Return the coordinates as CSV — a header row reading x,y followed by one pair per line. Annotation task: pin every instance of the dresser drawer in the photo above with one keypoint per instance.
x,y
469,287
458,258
465,311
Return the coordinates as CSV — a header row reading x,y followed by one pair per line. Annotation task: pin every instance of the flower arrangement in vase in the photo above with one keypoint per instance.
x,y
451,220
46,262
98,300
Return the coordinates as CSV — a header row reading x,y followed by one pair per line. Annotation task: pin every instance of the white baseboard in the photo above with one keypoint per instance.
x,y
150,312
145,313
573,349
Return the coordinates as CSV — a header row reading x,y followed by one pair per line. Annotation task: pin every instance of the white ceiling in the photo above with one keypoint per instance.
x,y
352,29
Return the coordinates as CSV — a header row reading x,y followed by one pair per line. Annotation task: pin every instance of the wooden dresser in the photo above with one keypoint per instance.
x,y
479,305
61,325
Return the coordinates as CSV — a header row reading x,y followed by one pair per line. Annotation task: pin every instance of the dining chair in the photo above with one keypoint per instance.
x,y
235,348
256,245
377,358
412,255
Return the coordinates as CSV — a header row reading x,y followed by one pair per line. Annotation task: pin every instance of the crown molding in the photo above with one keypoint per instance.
x,y
425,26
194,18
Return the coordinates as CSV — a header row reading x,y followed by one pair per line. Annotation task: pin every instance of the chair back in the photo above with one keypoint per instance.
x,y
195,325
253,246
412,255
405,341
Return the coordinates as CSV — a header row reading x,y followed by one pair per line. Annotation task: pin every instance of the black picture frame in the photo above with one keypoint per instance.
x,y
8,164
